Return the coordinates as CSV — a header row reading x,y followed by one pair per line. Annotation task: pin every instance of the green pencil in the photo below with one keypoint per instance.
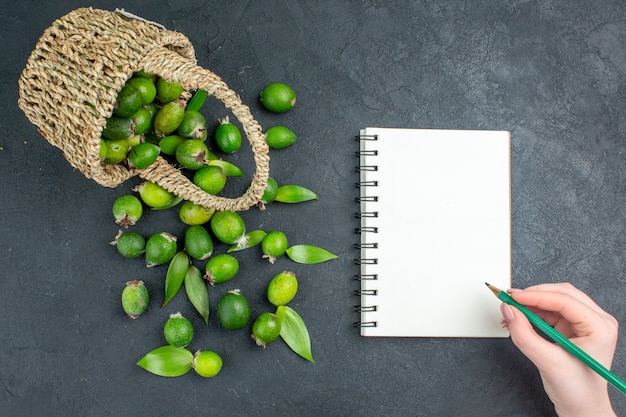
x,y
561,340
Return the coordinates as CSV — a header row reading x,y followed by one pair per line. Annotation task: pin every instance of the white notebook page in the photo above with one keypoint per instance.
x,y
443,229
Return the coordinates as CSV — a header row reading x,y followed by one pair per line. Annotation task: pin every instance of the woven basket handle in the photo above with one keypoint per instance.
x,y
174,67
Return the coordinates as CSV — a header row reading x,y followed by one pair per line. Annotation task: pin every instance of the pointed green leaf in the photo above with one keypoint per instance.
x,y
229,169
309,254
175,276
294,332
197,101
253,238
294,194
197,292
167,361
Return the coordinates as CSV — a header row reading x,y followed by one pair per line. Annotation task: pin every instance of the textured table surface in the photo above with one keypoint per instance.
x,y
552,73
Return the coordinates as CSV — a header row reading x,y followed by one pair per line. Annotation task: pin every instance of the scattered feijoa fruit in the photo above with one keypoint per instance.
x,y
192,214
160,249
211,179
278,97
178,330
274,245
154,195
127,210
279,137
282,288
198,242
207,363
227,136
221,268
233,310
228,227
129,244
135,298
143,155
266,329
192,154
193,125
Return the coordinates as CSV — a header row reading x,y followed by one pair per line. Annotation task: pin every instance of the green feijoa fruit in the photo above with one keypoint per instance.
x,y
143,74
168,118
210,179
169,144
192,214
168,91
193,125
265,329
227,136
152,108
221,268
154,195
207,363
129,100
282,288
127,210
278,97
143,155
118,128
160,249
135,298
228,227
269,194
279,137
198,242
143,121
145,86
274,245
192,154
178,330
233,310
116,151
134,141
129,244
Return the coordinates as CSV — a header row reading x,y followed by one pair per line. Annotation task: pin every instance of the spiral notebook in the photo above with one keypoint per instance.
x,y
435,213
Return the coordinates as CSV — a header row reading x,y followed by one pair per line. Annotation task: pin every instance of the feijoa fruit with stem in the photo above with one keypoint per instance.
x,y
143,121
160,249
207,363
278,97
127,210
274,245
193,125
129,244
221,268
193,214
265,329
135,298
192,154
198,242
282,288
227,136
228,227
178,330
233,310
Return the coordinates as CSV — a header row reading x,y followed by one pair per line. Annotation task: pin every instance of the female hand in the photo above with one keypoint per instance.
x,y
573,387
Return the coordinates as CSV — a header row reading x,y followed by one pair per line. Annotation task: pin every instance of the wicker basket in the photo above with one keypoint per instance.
x,y
71,81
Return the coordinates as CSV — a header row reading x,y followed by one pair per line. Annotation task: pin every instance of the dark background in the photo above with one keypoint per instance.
x,y
551,72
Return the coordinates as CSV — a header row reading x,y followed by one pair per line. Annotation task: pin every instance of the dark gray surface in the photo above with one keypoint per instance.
x,y
551,72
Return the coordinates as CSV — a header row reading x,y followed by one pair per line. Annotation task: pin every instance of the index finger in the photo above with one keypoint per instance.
x,y
567,289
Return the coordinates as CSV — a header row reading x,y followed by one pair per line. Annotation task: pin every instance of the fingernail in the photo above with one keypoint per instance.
x,y
507,314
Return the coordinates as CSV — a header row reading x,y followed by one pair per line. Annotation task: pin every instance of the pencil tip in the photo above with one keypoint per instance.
x,y
493,289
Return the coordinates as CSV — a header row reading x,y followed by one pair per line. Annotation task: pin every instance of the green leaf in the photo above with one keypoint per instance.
x,y
176,271
309,254
197,292
197,101
294,194
294,332
167,361
253,238
229,169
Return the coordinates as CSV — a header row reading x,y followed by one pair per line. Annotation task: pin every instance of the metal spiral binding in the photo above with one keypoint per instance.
x,y
366,229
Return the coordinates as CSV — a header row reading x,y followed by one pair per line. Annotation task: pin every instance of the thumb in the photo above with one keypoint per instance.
x,y
524,336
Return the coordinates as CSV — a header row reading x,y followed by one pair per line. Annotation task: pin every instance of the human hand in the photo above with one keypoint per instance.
x,y
573,388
